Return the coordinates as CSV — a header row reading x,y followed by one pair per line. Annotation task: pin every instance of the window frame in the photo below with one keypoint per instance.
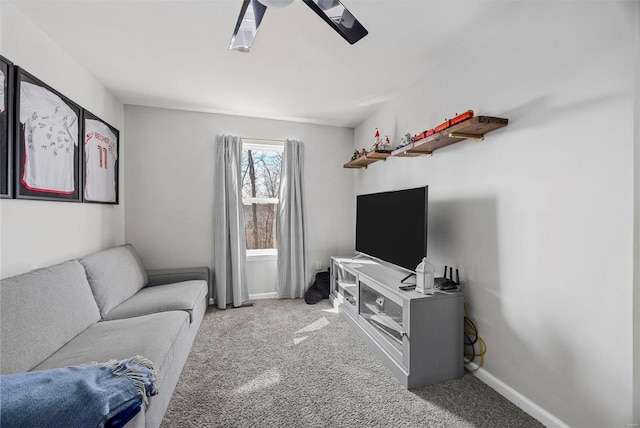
x,y
265,146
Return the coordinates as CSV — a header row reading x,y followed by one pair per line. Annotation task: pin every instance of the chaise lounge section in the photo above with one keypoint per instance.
x,y
102,307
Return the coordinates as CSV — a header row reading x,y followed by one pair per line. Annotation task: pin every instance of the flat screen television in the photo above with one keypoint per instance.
x,y
392,226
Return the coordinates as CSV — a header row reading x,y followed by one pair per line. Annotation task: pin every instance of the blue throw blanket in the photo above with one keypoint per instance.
x,y
92,395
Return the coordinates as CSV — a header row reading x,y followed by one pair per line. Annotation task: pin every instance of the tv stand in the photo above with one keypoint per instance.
x,y
418,337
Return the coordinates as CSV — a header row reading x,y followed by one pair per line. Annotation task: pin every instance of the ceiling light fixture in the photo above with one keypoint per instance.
x,y
331,11
276,3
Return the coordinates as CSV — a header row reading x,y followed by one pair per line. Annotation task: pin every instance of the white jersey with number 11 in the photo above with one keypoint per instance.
x,y
101,153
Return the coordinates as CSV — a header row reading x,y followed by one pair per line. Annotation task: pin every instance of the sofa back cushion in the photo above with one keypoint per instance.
x,y
41,311
114,275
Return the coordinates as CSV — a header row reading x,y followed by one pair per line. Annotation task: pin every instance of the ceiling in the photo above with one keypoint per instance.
x,y
174,53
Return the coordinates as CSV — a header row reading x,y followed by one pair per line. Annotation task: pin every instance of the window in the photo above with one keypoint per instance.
x,y
260,184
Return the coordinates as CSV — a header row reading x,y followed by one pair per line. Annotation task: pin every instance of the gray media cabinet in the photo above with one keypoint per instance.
x,y
418,338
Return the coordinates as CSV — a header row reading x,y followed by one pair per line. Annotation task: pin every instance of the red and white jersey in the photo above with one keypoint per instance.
x,y
1,91
100,154
50,133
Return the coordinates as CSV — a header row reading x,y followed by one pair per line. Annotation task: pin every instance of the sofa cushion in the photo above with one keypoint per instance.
x,y
41,311
161,298
114,275
169,276
165,338
152,336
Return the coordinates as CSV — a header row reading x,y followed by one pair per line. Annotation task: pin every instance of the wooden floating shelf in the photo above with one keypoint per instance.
x,y
368,159
475,127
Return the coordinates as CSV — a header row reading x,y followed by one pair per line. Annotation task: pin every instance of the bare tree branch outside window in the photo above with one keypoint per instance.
x,y
260,185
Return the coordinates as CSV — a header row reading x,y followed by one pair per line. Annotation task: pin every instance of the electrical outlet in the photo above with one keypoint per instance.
x,y
318,265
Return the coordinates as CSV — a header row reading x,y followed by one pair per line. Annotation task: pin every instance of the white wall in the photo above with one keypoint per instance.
x,y
169,181
37,233
539,216
262,277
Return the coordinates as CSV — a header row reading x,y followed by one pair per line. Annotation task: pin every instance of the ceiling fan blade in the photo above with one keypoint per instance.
x,y
336,15
249,20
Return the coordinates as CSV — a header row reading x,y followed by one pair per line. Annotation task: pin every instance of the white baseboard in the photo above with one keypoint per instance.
x,y
540,414
260,296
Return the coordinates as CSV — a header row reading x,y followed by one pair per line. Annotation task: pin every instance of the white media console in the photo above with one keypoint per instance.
x,y
418,338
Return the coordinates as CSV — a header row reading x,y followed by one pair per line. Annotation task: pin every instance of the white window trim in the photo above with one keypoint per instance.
x,y
262,254
260,200
264,146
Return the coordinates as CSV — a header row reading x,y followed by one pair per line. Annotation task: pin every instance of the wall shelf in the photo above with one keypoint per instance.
x,y
475,127
368,159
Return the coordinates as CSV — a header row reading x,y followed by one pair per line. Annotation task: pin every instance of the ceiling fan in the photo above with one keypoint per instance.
x,y
331,11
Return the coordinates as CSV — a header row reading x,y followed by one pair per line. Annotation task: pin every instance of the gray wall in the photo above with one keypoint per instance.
x,y
547,264
539,217
169,180
39,233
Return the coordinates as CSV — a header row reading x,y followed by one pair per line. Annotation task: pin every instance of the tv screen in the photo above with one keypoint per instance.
x,y
392,226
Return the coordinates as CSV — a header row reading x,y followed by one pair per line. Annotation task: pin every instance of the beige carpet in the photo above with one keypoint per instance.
x,y
283,363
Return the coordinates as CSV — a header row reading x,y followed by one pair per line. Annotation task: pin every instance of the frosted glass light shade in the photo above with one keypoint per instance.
x,y
276,3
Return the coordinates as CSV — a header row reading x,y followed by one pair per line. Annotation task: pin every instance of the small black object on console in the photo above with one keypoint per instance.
x,y
445,283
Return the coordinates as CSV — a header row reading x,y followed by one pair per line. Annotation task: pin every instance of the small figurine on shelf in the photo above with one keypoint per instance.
x,y
363,152
377,136
386,146
355,155
405,140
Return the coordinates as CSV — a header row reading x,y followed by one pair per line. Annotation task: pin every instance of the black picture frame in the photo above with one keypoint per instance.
x,y
6,128
47,161
101,160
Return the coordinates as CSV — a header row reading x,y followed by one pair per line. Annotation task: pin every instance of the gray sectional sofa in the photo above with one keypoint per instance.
x,y
101,307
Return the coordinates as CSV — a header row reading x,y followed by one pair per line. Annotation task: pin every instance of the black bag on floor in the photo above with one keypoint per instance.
x,y
320,289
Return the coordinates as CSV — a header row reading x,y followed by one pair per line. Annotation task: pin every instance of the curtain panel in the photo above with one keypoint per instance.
x,y
229,253
291,229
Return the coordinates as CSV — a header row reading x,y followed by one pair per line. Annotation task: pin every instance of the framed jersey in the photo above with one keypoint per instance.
x,y
47,142
100,166
6,128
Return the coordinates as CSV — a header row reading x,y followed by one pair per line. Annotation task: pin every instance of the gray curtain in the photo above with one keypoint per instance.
x,y
292,224
229,254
